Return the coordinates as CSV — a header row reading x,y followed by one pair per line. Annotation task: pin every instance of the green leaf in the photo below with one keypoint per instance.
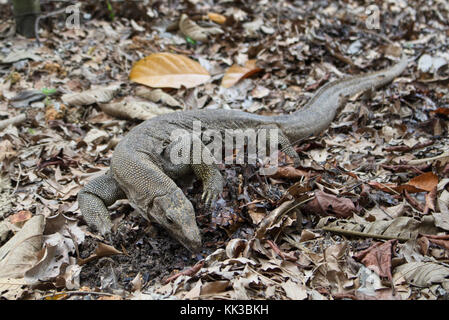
x,y
48,92
190,40
111,10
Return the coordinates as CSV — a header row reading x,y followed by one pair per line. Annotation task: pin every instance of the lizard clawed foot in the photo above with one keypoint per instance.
x,y
209,197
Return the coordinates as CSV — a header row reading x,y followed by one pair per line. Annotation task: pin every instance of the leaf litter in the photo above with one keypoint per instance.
x,y
365,215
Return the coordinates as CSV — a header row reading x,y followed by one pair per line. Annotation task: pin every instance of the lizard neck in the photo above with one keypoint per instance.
x,y
321,109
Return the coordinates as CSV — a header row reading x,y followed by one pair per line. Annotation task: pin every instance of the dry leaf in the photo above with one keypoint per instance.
x,y
195,291
98,95
102,250
168,70
422,274
236,73
294,291
11,289
158,95
194,31
215,17
291,173
191,29
235,247
427,181
20,217
130,108
403,228
6,150
21,251
327,204
214,287
378,258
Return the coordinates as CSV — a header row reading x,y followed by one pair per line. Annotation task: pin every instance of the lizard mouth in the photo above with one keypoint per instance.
x,y
190,243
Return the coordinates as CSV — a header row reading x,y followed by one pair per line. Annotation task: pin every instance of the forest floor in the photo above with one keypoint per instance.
x,y
377,180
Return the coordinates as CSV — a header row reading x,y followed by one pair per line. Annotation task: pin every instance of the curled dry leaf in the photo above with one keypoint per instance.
x,y
102,250
236,73
168,70
235,247
194,31
136,283
158,95
130,108
98,95
273,217
191,29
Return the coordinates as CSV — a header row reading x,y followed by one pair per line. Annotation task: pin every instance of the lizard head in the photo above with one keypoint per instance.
x,y
176,214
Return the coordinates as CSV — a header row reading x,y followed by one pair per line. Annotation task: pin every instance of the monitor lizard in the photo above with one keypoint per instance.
x,y
142,172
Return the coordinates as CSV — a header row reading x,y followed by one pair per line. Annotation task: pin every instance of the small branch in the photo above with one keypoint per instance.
x,y
363,234
419,161
78,292
279,252
14,121
189,272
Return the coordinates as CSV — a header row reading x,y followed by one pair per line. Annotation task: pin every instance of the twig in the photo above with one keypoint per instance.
x,y
419,161
413,202
279,252
13,121
363,234
189,272
78,292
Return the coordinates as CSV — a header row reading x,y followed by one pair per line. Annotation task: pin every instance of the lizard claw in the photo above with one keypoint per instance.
x,y
209,197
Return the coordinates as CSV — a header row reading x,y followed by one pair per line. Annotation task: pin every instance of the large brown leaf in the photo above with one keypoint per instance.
x,y
168,70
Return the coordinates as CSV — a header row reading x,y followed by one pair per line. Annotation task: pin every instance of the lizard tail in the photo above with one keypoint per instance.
x,y
355,84
320,110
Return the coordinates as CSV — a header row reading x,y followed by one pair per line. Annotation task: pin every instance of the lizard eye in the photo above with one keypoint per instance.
x,y
170,220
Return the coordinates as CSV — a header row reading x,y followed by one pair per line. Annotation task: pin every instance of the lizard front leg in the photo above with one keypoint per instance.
x,y
189,150
95,197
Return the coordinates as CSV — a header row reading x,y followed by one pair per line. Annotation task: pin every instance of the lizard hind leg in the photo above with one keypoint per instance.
x,y
95,197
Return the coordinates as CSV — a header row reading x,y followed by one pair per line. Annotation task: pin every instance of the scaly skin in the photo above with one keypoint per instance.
x,y
142,172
